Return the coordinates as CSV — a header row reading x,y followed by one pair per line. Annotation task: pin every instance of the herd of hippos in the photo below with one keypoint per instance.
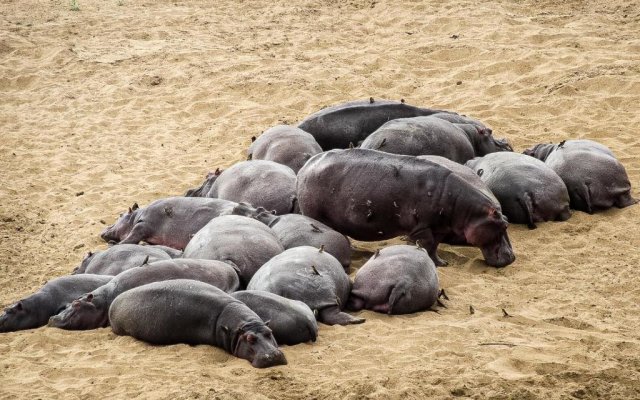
x,y
276,226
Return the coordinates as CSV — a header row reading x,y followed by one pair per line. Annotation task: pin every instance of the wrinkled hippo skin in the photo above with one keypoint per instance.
x,y
187,311
371,195
286,145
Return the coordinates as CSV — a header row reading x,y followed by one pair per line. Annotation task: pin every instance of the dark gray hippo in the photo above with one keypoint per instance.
x,y
291,321
90,311
204,189
371,195
170,222
122,257
34,311
237,240
260,183
528,190
456,118
339,126
192,312
294,230
595,179
285,145
396,280
434,136
311,276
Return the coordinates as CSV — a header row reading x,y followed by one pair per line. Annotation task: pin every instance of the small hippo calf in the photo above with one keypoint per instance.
x,y
595,179
117,259
311,276
291,321
187,311
260,183
528,190
286,145
170,222
91,310
434,136
237,240
34,311
396,280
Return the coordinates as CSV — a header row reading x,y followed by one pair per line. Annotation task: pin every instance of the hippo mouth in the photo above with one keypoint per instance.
x,y
499,255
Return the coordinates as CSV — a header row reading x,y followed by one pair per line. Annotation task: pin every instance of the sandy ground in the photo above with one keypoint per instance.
x,y
128,101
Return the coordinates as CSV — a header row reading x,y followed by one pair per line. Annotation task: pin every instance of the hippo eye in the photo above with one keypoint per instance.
x,y
251,339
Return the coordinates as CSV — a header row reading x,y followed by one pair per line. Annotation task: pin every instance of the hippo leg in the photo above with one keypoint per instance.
x,y
527,206
564,215
355,303
137,234
425,238
625,200
333,316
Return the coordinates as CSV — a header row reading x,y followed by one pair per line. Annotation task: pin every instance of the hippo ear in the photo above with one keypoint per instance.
x,y
90,297
225,328
135,206
19,306
250,157
130,211
217,172
253,139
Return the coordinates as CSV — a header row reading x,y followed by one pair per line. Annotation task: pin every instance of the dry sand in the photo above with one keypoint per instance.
x,y
128,101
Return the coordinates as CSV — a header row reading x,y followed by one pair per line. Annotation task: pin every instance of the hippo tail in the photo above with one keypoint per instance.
x,y
582,200
397,293
527,207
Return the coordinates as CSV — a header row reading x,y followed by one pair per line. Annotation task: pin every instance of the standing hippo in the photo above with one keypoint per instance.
x,y
237,240
34,311
260,183
528,190
595,179
187,311
291,321
396,280
434,136
170,222
91,310
350,123
117,259
370,195
285,145
311,276
294,230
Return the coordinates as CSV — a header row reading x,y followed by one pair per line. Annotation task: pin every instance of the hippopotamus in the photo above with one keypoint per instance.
x,y
595,179
170,222
398,279
295,230
528,190
285,145
261,183
90,311
192,312
456,118
34,311
237,240
371,195
346,124
291,321
311,276
434,136
204,189
122,257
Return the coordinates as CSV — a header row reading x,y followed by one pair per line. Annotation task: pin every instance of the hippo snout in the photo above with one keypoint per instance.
x,y
499,255
269,359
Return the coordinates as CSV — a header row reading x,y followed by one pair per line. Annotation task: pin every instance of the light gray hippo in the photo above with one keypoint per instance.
x,y
339,126
456,118
237,240
371,195
192,312
285,145
170,222
434,136
396,280
294,230
260,183
122,257
595,179
291,321
90,311
34,311
528,190
311,276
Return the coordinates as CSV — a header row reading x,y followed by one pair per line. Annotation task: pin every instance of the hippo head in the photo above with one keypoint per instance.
x,y
17,317
203,190
489,233
540,151
255,342
84,264
122,227
485,143
81,314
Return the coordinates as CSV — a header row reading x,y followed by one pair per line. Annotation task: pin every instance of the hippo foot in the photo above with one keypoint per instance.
x,y
333,316
439,262
355,303
625,200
